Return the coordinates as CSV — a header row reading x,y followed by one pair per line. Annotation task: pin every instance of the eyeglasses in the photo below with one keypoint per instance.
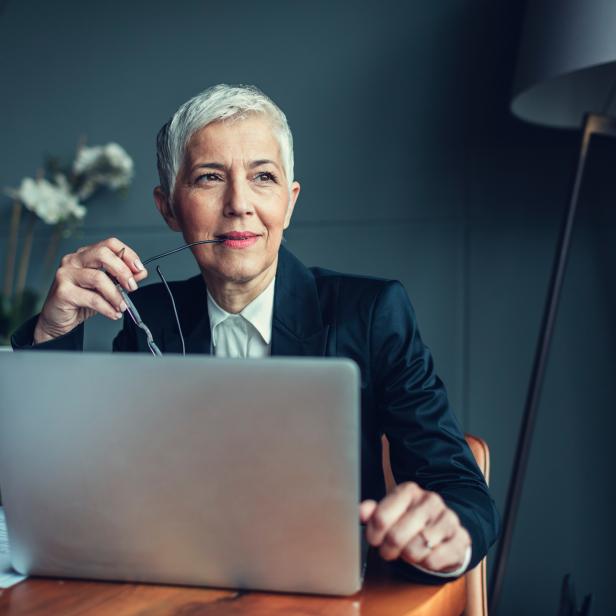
x,y
132,309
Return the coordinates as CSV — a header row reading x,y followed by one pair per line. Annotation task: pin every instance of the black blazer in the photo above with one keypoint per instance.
x,y
323,313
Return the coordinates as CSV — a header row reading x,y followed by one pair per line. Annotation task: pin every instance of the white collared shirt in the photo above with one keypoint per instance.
x,y
249,334
246,334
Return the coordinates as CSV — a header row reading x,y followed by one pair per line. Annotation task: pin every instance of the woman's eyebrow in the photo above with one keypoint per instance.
x,y
263,161
209,166
253,164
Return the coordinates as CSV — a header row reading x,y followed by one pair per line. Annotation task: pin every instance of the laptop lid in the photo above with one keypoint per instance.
x,y
182,470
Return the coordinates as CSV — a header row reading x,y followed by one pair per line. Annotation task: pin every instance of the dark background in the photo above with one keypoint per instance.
x,y
411,168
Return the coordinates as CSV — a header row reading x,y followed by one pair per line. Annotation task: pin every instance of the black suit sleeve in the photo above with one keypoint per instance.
x,y
23,339
426,441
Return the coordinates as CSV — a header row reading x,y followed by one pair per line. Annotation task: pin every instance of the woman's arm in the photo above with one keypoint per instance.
x,y
430,460
81,288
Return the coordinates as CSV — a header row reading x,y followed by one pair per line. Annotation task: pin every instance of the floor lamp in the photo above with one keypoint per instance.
x,y
566,78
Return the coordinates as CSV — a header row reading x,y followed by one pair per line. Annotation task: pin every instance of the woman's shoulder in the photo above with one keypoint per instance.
x,y
357,290
359,282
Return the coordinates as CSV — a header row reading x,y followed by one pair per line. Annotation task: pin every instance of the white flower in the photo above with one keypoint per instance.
x,y
53,203
106,166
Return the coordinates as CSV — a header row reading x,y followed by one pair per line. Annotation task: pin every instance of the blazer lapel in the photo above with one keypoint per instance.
x,y
284,342
192,311
199,338
297,324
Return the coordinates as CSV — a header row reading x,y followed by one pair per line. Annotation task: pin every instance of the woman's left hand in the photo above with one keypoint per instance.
x,y
417,526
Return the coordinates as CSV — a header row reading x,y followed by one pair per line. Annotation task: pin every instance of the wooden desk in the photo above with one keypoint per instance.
x,y
383,595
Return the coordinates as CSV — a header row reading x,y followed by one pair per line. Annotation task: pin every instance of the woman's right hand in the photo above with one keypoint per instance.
x,y
81,288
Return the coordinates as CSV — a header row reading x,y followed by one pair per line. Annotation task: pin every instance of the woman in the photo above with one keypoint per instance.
x,y
225,161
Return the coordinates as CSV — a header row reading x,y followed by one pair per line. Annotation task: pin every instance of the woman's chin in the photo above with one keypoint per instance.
x,y
235,272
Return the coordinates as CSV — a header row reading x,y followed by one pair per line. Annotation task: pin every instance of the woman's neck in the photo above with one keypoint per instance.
x,y
234,296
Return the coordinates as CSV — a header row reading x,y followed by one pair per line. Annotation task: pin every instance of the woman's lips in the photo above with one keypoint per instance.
x,y
238,239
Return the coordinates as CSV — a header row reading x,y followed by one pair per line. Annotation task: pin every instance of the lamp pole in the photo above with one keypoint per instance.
x,y
594,124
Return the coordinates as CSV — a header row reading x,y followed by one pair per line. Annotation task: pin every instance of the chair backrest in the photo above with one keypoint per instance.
x,y
476,588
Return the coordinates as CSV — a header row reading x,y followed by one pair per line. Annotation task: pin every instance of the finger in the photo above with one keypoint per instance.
x,y
449,555
416,550
82,258
412,525
366,509
419,547
401,533
85,298
72,259
129,256
99,281
101,256
418,515
389,510
442,529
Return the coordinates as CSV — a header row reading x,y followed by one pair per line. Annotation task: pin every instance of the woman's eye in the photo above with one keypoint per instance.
x,y
265,176
209,177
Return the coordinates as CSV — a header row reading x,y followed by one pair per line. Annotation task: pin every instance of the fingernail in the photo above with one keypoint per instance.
x,y
118,315
139,265
132,284
123,307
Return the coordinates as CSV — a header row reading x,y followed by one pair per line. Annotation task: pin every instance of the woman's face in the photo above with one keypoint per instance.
x,y
232,185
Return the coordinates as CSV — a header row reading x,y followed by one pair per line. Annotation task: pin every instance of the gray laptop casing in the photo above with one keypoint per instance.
x,y
182,470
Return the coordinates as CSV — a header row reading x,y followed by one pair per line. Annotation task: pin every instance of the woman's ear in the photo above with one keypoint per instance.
x,y
163,204
293,195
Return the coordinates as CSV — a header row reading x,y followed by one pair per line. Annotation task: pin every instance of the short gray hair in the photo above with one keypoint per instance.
x,y
218,102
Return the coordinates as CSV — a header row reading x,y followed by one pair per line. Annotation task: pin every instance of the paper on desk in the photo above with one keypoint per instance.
x,y
8,577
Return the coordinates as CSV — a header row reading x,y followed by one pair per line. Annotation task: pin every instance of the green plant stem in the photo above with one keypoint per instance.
x,y
11,250
24,260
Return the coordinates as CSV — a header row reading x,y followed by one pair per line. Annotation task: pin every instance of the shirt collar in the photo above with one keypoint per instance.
x,y
258,313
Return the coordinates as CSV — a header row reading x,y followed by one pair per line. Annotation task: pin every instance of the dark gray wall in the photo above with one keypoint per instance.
x,y
411,168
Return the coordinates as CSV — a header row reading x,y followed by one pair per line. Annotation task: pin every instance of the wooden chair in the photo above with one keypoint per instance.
x,y
476,588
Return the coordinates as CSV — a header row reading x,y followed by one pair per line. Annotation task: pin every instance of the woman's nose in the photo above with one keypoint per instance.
x,y
237,199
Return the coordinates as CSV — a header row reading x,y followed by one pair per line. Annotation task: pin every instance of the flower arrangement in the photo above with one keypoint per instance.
x,y
55,196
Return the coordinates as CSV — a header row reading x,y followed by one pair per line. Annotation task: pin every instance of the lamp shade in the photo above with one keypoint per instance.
x,y
567,62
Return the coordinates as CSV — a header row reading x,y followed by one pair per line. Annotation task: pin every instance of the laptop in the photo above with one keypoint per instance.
x,y
183,470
